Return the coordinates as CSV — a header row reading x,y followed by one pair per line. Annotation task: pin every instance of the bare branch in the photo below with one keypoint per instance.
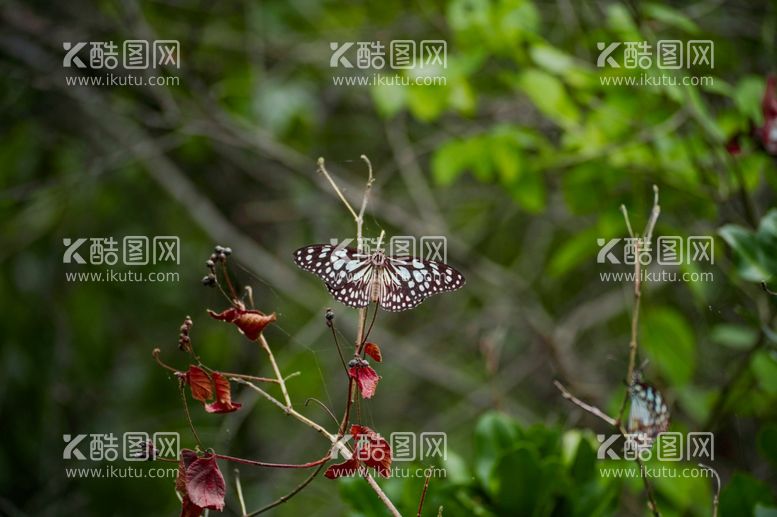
x,y
587,407
322,170
278,375
423,495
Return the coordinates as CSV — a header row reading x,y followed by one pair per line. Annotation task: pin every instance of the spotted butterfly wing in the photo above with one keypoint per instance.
x,y
396,283
408,281
649,413
345,272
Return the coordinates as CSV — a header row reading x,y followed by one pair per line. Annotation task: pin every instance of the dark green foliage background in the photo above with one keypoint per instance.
x,y
522,160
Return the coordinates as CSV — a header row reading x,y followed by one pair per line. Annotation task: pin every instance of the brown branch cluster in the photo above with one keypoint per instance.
x,y
206,382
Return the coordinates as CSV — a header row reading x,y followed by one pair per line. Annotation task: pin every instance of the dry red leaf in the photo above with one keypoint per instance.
x,y
366,378
200,484
199,383
213,390
373,350
370,449
223,403
250,322
344,469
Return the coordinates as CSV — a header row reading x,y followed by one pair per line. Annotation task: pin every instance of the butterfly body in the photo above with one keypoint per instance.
x,y
395,283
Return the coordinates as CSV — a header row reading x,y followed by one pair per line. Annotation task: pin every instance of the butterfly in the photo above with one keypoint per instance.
x,y
396,283
649,413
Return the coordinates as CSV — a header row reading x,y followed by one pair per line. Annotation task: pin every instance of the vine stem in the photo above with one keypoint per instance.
x,y
256,463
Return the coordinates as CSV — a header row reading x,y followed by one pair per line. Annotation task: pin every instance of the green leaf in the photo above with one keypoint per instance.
x,y
767,442
764,367
583,462
738,337
549,95
742,493
695,401
495,434
669,343
582,245
684,492
529,191
671,17
389,99
449,161
520,483
552,59
427,102
456,469
755,253
746,252
747,97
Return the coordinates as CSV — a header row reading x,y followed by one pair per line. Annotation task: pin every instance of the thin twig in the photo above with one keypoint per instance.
x,y
639,242
249,377
239,488
288,496
249,292
587,407
423,495
278,375
322,170
188,414
256,463
625,212
716,495
261,392
329,411
648,489
369,329
358,218
337,346
155,353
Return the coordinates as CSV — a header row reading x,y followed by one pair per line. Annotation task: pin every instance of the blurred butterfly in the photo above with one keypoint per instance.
x,y
649,414
396,283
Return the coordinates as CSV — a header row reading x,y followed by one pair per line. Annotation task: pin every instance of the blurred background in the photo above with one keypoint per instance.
x,y
521,159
